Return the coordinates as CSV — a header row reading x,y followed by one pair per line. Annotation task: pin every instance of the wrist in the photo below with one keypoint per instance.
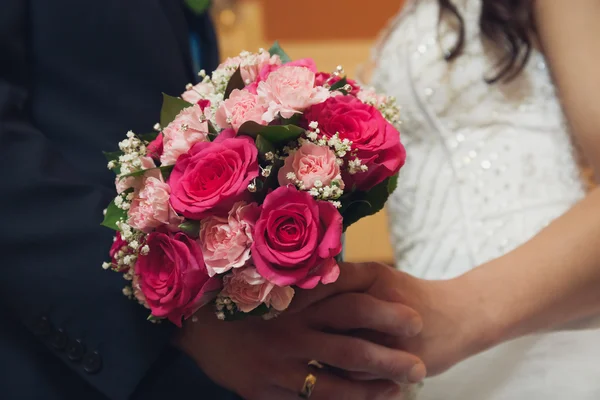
x,y
486,324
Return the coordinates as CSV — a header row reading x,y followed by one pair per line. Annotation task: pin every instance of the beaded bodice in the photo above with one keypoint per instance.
x,y
488,166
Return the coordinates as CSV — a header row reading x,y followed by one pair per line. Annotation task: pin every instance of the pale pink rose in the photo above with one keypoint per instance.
x,y
198,92
267,69
226,242
251,65
230,63
150,207
311,163
290,90
248,290
241,106
135,182
188,128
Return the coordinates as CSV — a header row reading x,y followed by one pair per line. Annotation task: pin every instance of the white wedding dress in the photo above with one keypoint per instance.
x,y
487,168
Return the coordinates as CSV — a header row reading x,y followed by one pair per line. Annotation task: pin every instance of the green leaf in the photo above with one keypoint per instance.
x,y
198,6
113,215
264,147
235,82
166,169
392,184
153,318
357,205
212,129
277,50
281,134
250,128
148,137
339,85
293,120
191,228
171,107
277,135
113,155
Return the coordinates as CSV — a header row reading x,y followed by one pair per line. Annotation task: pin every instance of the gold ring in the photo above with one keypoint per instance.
x,y
309,385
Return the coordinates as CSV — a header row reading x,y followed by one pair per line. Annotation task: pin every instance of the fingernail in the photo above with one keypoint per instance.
x,y
417,373
414,327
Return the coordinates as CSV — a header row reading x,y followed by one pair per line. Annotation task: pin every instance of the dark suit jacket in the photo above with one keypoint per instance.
x,y
75,75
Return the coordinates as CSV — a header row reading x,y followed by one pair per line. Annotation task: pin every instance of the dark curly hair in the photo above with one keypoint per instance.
x,y
507,23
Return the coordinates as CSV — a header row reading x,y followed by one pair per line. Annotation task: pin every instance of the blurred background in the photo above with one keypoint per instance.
x,y
251,24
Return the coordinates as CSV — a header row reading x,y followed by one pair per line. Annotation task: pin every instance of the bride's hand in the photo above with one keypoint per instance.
x,y
454,326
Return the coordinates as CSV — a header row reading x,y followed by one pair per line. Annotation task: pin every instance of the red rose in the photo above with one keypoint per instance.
x,y
375,140
212,176
322,78
173,277
155,147
296,239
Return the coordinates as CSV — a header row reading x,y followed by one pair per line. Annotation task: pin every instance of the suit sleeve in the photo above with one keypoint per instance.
x,y
52,244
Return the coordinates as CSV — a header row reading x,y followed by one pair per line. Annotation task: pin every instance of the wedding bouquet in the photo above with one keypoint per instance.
x,y
244,191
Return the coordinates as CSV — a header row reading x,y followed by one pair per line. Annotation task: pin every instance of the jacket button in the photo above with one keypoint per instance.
x,y
59,340
75,350
92,362
42,327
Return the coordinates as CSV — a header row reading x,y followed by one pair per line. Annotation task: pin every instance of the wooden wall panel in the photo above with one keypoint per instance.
x,y
326,19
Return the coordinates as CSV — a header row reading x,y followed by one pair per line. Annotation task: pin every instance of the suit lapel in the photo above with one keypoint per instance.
x,y
173,11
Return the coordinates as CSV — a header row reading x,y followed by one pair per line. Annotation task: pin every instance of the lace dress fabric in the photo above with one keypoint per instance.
x,y
487,168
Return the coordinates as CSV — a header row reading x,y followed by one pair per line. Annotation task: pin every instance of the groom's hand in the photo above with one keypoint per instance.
x,y
264,360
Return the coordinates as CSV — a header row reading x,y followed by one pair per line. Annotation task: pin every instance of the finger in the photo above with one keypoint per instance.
x,y
329,386
358,355
353,311
354,277
392,341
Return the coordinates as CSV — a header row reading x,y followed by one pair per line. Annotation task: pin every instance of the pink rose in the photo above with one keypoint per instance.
x,y
241,106
311,163
290,90
173,278
136,182
323,78
150,207
213,176
188,128
375,140
155,148
198,92
296,239
226,242
248,290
